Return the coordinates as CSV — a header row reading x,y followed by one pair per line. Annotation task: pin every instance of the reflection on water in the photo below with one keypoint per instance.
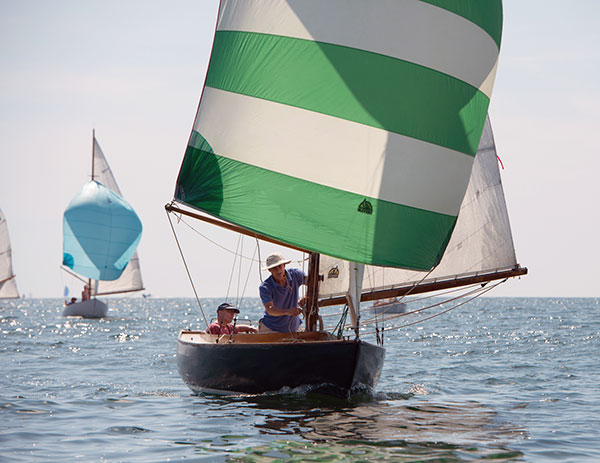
x,y
305,427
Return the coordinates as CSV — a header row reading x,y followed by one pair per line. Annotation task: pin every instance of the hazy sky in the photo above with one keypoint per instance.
x,y
134,70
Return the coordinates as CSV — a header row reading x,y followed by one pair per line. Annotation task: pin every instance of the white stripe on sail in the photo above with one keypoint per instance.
x,y
307,145
450,44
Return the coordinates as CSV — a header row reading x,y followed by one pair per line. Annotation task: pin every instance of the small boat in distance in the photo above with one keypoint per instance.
x,y
8,283
388,306
101,232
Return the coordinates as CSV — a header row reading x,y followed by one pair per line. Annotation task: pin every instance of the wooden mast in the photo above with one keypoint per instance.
x,y
311,310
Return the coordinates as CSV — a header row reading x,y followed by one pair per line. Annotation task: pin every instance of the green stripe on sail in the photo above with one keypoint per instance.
x,y
487,14
309,215
351,84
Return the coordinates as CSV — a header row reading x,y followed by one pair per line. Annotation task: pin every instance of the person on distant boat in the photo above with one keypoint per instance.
x,y
72,301
279,295
85,294
225,314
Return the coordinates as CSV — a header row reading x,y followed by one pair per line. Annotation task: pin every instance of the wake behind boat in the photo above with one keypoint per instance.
x,y
333,131
101,232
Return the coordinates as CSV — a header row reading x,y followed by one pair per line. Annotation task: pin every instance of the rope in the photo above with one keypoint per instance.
x,y
187,269
342,321
212,241
369,321
478,294
483,291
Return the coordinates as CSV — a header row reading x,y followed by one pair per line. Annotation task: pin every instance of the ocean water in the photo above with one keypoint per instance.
x,y
500,379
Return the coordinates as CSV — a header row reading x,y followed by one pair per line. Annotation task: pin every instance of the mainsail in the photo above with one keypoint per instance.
x,y
8,284
481,243
131,278
347,128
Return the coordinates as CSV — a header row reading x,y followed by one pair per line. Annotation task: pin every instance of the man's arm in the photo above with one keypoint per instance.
x,y
277,312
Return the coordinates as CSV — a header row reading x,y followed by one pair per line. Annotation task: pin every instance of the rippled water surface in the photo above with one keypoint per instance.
x,y
498,379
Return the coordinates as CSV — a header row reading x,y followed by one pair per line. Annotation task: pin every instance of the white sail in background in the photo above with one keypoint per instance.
x,y
131,279
481,242
8,284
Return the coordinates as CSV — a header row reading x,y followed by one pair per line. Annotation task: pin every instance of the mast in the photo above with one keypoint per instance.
x,y
89,284
93,150
311,310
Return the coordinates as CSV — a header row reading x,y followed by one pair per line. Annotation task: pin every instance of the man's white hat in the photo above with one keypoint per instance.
x,y
275,259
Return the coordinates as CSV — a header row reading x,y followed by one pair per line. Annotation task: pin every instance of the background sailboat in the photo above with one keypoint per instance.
x,y
8,283
101,234
348,130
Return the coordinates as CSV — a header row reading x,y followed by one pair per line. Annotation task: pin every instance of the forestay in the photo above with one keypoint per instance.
x,y
482,240
8,284
344,127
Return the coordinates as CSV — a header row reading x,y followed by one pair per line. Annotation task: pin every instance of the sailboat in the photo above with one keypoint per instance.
x,y
101,232
8,284
358,134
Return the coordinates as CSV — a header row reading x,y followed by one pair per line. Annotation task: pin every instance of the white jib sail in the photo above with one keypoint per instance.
x,y
481,242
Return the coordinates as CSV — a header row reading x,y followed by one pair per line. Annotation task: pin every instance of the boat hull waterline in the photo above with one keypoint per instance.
x,y
258,363
94,308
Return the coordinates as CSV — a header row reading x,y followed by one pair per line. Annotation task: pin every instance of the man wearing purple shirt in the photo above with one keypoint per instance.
x,y
279,294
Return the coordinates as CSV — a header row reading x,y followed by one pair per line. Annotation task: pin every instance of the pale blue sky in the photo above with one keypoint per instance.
x,y
134,70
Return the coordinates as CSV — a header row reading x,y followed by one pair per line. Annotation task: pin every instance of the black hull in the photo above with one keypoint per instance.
x,y
339,365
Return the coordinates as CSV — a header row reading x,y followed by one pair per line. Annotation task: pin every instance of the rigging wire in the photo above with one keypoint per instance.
x,y
240,269
478,293
430,296
180,219
233,267
187,269
424,309
247,278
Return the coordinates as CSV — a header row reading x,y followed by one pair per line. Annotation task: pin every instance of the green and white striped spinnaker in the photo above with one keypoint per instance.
x,y
346,127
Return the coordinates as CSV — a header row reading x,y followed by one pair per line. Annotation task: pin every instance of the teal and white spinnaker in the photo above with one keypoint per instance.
x,y
344,127
100,233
